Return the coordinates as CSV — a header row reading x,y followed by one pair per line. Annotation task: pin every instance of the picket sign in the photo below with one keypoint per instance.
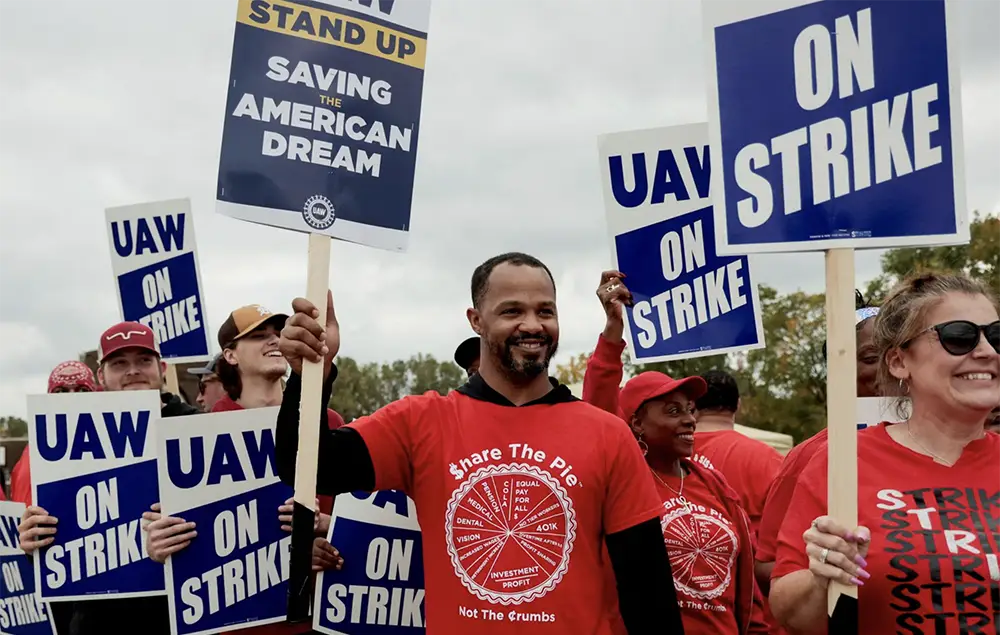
x,y
22,611
340,165
835,126
379,538
687,300
218,471
93,467
154,262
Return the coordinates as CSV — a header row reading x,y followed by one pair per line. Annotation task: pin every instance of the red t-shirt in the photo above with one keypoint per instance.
x,y
933,556
779,495
748,464
334,421
523,498
20,479
703,544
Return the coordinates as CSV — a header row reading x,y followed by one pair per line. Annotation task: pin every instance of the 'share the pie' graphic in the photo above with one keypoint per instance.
x,y
702,552
510,530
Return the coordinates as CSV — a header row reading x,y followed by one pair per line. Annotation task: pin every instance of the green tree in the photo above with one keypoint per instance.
x,y
362,389
13,427
979,259
572,371
784,384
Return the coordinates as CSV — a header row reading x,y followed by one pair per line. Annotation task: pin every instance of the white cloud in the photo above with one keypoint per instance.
x,y
120,102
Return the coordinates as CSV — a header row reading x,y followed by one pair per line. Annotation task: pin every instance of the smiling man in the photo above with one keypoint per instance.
x,y
534,491
251,366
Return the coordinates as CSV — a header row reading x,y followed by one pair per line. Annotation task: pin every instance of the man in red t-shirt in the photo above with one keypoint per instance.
x,y
748,465
525,483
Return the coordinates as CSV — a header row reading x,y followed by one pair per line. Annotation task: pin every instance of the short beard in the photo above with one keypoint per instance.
x,y
524,371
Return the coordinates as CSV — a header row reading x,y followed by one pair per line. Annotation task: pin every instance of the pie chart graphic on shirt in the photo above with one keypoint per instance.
x,y
510,530
702,551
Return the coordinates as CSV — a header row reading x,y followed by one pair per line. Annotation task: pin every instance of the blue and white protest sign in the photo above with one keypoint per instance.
x,y
688,300
93,467
380,590
22,612
322,117
155,266
835,124
874,410
218,471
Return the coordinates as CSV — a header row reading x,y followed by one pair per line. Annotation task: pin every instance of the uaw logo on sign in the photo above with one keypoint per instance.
x,y
510,530
318,212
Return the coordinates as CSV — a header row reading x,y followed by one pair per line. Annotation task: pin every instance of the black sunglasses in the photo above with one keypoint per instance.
x,y
960,337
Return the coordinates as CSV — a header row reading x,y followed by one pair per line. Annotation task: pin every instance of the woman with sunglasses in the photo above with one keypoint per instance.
x,y
704,526
924,553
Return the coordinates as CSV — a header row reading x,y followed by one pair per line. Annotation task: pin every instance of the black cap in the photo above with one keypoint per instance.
x,y
467,352
208,369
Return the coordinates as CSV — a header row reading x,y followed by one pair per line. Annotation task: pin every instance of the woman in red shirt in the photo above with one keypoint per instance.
x,y
704,526
925,551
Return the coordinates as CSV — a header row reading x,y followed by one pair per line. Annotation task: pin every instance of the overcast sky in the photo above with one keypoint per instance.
x,y
111,103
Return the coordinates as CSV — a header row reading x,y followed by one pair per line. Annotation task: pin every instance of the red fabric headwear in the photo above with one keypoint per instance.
x,y
70,375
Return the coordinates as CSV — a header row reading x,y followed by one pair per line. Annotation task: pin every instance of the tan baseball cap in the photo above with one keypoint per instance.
x,y
244,320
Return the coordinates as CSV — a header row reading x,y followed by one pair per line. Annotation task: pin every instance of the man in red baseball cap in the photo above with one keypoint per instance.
x,y
128,359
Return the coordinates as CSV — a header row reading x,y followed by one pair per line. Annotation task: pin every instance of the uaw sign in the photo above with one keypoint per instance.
x,y
380,590
834,124
688,300
93,467
218,471
155,267
322,117
22,612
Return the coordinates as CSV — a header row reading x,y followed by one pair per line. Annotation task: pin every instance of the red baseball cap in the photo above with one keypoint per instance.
x,y
70,375
126,335
651,384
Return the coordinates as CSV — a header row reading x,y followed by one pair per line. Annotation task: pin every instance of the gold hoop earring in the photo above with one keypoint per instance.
x,y
643,445
904,387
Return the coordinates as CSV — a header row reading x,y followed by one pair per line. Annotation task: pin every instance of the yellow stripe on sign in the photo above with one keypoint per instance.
x,y
331,27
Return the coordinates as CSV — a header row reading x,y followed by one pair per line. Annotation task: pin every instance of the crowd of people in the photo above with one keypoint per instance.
x,y
668,519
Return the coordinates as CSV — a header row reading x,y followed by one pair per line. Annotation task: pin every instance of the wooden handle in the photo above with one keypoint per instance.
x,y
311,412
310,408
841,399
173,386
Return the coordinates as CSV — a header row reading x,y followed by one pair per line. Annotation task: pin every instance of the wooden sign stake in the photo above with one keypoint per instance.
x,y
310,412
841,400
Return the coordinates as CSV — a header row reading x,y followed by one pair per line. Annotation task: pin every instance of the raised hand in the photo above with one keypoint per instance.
x,y
613,295
303,337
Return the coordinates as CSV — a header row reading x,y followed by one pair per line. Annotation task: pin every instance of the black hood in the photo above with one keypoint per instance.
x,y
477,388
174,407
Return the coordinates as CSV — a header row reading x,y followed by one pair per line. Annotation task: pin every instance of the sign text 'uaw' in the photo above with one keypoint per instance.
x,y
835,124
688,300
218,471
322,117
156,273
93,467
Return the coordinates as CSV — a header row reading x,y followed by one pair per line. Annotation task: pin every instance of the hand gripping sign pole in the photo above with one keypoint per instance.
x,y
311,409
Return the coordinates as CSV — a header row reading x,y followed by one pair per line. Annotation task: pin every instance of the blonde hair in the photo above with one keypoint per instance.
x,y
903,313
